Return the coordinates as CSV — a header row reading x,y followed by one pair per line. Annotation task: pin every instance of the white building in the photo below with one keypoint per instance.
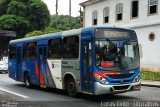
x,y
143,16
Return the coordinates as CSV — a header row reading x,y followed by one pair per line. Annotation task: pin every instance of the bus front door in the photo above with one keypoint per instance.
x,y
42,55
86,69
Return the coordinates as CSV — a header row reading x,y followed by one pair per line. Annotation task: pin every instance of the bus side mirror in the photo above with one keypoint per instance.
x,y
140,51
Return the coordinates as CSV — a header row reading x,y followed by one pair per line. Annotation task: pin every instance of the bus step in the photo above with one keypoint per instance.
x,y
43,86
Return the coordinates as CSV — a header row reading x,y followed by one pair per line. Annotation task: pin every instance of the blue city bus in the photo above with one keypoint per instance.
x,y
93,60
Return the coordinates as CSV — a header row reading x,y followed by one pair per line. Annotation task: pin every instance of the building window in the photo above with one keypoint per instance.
x,y
54,48
94,16
30,50
134,9
71,47
151,36
106,15
119,11
12,52
153,6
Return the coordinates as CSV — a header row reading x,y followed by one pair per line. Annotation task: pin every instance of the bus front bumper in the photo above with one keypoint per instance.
x,y
113,89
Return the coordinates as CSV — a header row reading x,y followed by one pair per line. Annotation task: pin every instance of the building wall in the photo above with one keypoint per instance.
x,y
150,49
127,21
144,24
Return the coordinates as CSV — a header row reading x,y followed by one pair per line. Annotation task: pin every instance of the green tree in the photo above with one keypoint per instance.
x,y
37,33
38,9
14,23
57,24
17,8
34,33
62,22
23,16
4,6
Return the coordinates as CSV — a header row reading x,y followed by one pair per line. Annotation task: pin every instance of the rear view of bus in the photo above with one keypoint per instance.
x,y
116,62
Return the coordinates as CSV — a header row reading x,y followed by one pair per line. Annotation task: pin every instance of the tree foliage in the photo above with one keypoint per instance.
x,y
37,33
14,23
62,22
58,24
38,9
23,16
4,6
34,33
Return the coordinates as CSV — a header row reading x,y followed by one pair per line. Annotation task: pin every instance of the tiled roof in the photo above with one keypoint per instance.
x,y
88,2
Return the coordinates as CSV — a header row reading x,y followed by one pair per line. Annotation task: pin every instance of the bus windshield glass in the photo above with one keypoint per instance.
x,y
117,55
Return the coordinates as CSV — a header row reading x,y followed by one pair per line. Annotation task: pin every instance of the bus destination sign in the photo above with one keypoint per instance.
x,y
101,33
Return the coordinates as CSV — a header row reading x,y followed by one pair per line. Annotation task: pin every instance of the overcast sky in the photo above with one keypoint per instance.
x,y
63,6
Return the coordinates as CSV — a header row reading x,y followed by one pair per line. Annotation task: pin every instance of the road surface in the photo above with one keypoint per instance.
x,y
14,93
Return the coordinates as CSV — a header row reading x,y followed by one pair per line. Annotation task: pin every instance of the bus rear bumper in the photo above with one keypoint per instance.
x,y
113,89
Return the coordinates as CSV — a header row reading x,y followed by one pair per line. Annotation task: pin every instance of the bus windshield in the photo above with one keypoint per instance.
x,y
117,55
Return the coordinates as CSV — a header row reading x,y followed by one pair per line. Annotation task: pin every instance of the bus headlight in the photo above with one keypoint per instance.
x,y
137,78
101,80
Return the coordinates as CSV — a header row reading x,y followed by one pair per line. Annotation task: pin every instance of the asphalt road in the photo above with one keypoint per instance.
x,y
14,93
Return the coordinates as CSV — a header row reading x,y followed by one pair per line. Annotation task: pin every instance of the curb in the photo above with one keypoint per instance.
x,y
150,85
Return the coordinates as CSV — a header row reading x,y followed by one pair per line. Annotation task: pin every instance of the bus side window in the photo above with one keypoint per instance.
x,y
12,52
55,48
90,53
71,47
30,50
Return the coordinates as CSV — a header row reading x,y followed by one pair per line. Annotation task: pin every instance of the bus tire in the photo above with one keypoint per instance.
x,y
71,87
27,80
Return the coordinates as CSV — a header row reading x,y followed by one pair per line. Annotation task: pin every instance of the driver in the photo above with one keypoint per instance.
x,y
112,51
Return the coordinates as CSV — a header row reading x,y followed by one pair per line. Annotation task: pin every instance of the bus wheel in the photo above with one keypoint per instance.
x,y
27,80
71,87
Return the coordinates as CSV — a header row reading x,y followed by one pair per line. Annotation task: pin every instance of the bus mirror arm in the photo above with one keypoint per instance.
x,y
140,50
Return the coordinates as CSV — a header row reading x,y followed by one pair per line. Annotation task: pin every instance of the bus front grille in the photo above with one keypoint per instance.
x,y
121,87
120,76
119,81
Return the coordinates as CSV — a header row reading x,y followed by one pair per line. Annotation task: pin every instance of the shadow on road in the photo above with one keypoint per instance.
x,y
90,98
107,97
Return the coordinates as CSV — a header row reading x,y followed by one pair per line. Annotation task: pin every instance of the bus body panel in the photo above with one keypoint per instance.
x,y
113,89
37,38
72,67
56,73
15,65
12,69
29,66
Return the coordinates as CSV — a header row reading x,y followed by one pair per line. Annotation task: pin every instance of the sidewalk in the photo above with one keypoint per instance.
x,y
150,83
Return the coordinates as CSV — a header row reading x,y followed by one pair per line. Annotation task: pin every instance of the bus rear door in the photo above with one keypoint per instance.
x,y
18,63
42,55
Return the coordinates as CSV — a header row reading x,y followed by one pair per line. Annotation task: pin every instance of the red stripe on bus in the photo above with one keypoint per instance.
x,y
37,70
39,75
104,74
41,79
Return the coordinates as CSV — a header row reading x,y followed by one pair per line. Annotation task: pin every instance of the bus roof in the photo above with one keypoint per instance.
x,y
60,34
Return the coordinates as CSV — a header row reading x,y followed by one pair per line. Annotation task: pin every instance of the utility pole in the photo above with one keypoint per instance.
x,y
81,17
70,14
56,7
56,12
